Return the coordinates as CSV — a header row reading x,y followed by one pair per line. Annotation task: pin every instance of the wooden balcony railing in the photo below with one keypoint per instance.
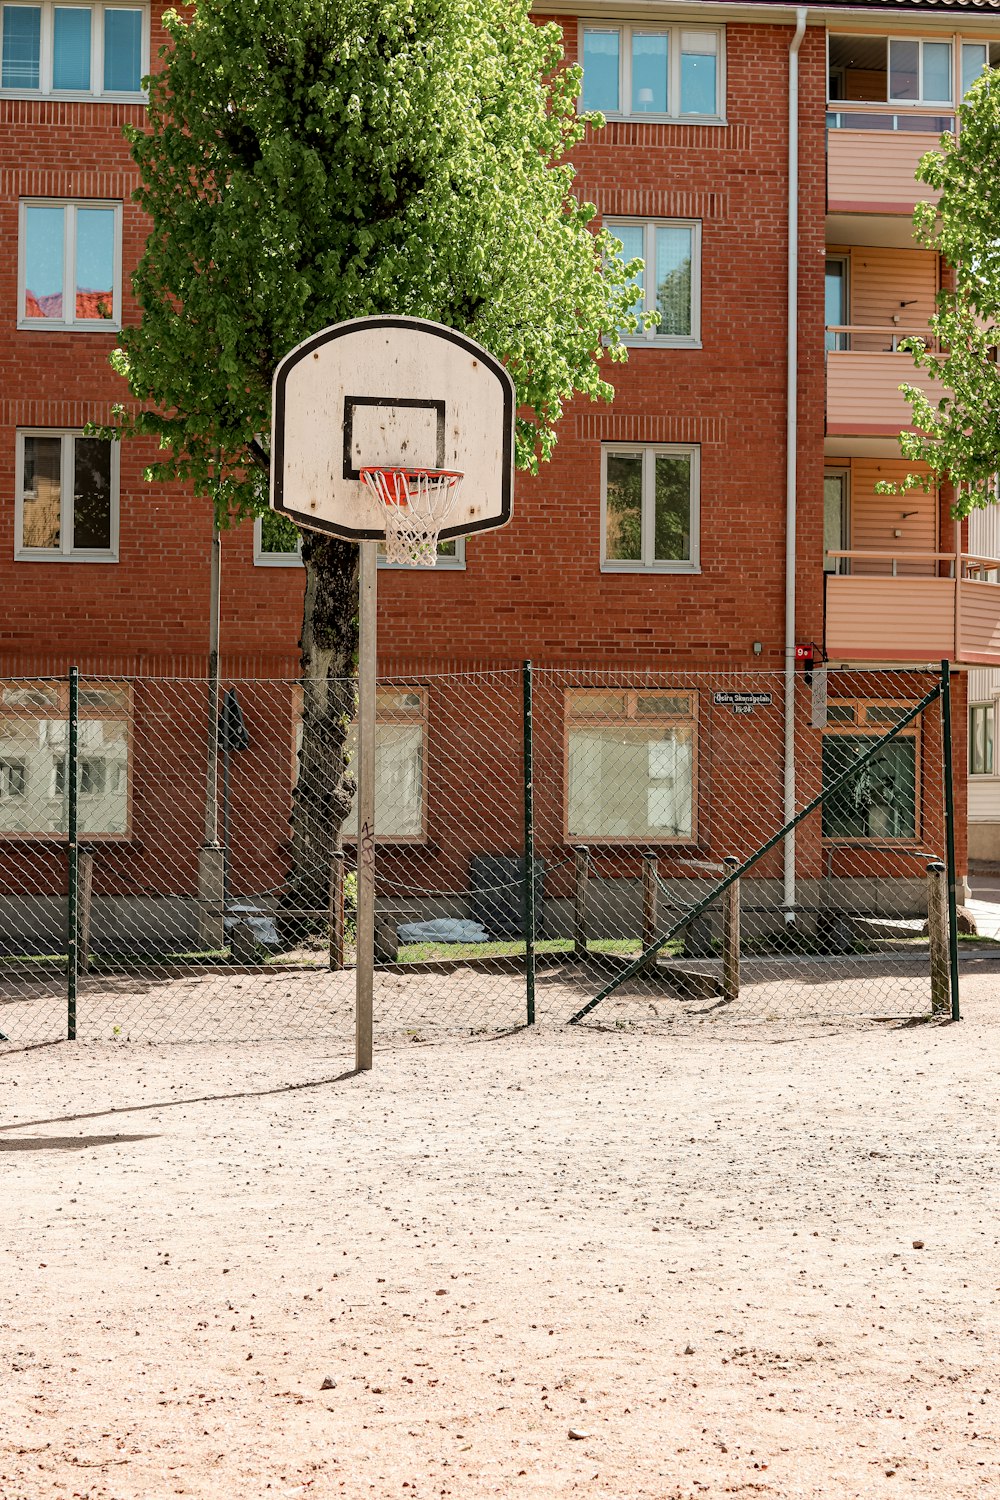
x,y
862,385
885,614
872,338
872,156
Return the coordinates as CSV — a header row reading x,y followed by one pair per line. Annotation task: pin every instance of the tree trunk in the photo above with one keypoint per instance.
x,y
324,791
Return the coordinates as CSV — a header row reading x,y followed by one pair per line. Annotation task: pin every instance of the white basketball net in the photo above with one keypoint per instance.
x,y
417,504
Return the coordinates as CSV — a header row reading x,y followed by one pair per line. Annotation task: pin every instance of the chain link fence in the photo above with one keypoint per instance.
x,y
610,846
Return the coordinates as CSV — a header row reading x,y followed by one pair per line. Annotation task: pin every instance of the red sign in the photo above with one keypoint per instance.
x,y
803,653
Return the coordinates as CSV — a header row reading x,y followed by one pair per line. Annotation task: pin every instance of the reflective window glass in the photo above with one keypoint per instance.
x,y
95,262
601,70
624,507
650,59
122,51
92,494
42,492
699,73
937,71
22,46
71,47
672,513
673,278
904,70
973,63
44,261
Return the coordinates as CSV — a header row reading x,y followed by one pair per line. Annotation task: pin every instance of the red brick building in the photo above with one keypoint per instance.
x,y
670,533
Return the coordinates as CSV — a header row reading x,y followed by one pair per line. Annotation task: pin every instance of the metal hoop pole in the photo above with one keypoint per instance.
x,y
365,971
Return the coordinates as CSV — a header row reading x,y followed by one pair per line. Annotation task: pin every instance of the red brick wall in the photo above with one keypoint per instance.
x,y
534,589
537,584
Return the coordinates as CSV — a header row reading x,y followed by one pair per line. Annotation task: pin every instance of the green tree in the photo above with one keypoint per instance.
x,y
958,435
308,161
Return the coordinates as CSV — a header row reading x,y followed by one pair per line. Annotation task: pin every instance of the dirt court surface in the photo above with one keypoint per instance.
x,y
696,1250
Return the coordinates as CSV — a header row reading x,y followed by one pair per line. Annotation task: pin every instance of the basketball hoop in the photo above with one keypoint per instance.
x,y
417,503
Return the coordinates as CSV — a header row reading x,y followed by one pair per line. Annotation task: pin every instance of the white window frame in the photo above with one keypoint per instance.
x,y
900,106
922,101
649,227
46,47
65,552
262,559
672,114
70,207
45,703
629,715
648,563
989,707
974,41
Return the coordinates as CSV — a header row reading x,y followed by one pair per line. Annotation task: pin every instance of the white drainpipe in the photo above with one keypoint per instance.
x,y
791,448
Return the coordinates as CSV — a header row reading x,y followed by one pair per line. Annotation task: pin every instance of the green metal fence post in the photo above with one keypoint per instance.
x,y
949,834
528,888
73,887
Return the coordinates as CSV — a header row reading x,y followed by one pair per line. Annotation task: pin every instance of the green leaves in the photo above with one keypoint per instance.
x,y
314,161
959,434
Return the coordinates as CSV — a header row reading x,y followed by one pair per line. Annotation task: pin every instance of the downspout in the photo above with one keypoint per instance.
x,y
791,452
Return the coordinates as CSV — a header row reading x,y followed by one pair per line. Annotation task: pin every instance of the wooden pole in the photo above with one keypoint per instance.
x,y
365,971
337,909
86,900
649,901
581,857
731,934
937,931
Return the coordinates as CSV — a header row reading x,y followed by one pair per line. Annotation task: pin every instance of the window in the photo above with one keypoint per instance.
x,y
670,282
653,72
649,508
70,265
894,70
837,300
400,794
98,50
981,720
34,741
66,498
401,715
978,58
920,71
836,519
630,766
881,801
277,543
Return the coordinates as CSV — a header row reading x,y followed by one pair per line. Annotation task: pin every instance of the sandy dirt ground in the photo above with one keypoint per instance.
x,y
723,1260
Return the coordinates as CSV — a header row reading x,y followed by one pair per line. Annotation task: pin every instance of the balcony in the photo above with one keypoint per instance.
x,y
893,607
863,375
872,156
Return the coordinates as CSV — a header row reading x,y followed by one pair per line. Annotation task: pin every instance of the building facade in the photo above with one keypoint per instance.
x,y
720,513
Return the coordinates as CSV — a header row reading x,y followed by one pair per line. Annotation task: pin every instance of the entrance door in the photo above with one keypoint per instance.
x,y
837,311
836,520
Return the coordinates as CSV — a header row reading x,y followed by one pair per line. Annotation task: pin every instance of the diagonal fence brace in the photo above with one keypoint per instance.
x,y
846,775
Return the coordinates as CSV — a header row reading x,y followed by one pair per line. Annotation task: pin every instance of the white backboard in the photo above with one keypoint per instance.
x,y
389,391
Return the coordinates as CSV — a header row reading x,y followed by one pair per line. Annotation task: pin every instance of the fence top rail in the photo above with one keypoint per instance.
x,y
634,678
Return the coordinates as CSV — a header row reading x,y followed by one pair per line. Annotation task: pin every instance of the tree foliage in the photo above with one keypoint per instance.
x,y
959,434
308,161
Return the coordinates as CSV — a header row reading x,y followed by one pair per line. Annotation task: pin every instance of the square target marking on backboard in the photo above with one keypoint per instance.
x,y
392,430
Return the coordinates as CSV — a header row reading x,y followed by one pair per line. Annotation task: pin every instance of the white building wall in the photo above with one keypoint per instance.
x,y
984,687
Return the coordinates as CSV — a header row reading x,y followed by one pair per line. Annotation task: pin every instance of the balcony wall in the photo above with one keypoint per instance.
x,y
862,391
873,171
912,619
